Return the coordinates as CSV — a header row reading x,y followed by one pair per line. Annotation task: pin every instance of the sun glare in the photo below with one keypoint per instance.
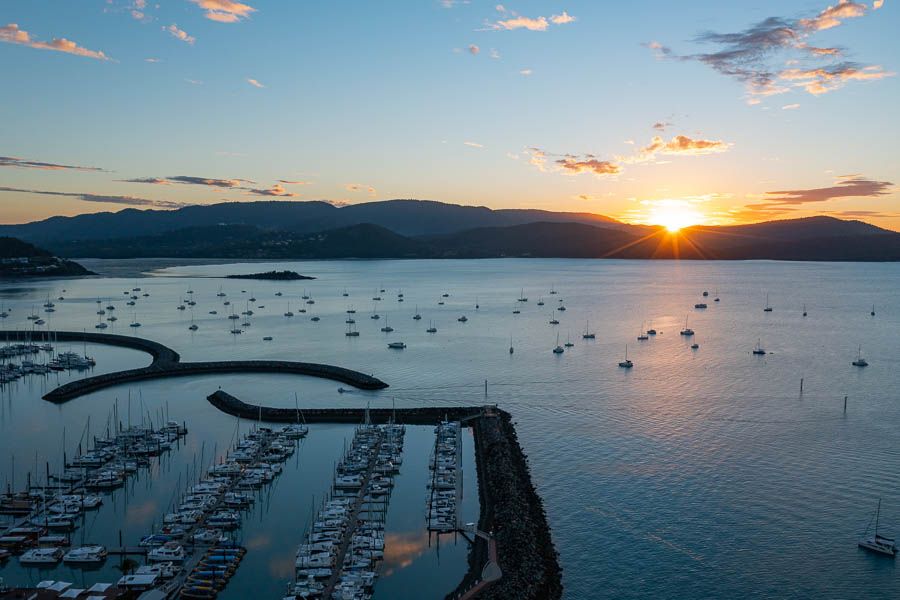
x,y
674,215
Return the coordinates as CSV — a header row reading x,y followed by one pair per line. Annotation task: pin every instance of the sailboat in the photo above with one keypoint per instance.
x,y
588,334
716,299
387,328
804,310
559,349
860,361
297,430
553,320
873,311
351,332
687,330
768,307
134,321
289,313
417,316
568,343
626,364
510,345
759,350
374,315
431,327
641,335
193,326
522,297
540,301
878,543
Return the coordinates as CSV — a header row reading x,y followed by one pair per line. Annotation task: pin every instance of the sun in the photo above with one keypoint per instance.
x,y
674,215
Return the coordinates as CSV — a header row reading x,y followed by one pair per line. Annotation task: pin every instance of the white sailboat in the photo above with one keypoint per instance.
x,y
878,543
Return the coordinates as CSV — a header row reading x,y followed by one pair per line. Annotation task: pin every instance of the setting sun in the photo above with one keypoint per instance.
x,y
673,215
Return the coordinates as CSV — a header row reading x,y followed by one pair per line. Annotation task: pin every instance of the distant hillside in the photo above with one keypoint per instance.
x,y
820,238
406,217
21,259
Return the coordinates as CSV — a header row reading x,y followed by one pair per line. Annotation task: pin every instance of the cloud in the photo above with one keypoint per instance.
x,y
180,34
682,144
192,180
194,81
847,186
361,187
495,54
474,144
831,16
575,166
877,4
11,161
562,19
526,72
275,190
822,80
123,200
288,182
13,35
661,125
473,49
790,107
224,11
538,24
751,55
255,83
152,60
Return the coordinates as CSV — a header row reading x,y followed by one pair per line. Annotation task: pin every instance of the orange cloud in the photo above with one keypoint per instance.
x,y
361,187
12,161
11,34
562,19
255,83
575,166
224,11
826,79
538,24
276,190
831,16
180,34
682,144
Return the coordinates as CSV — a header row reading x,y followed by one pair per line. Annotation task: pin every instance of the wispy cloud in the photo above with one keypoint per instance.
x,y
255,83
11,34
572,165
526,72
474,144
276,190
790,107
847,186
661,125
12,161
224,11
513,21
680,144
192,180
576,164
179,34
755,56
822,80
289,182
102,198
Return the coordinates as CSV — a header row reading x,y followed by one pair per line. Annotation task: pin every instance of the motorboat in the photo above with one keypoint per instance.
x,y
41,556
86,555
397,345
168,552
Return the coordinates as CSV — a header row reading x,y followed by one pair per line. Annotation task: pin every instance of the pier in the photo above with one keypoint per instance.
x,y
167,363
512,554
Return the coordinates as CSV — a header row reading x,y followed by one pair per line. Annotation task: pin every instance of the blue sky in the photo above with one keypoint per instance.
x,y
526,104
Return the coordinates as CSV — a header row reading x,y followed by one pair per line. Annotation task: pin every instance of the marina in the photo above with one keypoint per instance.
x,y
529,389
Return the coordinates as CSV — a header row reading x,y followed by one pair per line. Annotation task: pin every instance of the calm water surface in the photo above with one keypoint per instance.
x,y
699,473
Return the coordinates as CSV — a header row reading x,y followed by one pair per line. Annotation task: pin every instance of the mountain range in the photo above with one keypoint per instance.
x,y
427,229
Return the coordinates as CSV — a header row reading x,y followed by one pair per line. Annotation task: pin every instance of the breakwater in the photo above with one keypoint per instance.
x,y
511,511
167,363
408,416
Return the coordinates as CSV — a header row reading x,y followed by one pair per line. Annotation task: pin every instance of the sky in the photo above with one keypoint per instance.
x,y
656,112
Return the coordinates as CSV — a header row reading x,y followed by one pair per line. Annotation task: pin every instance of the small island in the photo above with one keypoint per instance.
x,y
272,276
